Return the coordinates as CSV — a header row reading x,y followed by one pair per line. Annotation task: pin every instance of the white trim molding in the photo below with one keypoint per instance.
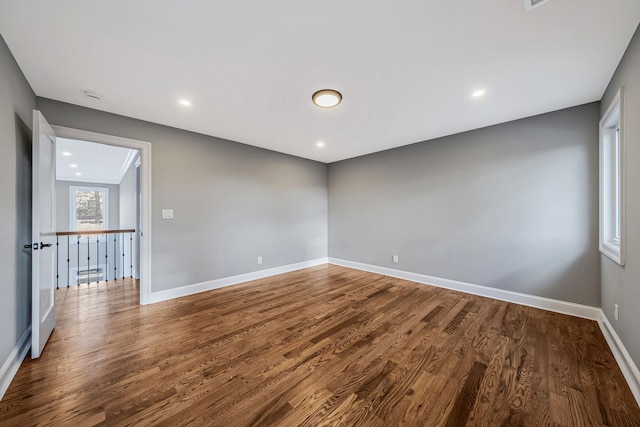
x,y
612,181
558,306
12,364
132,156
627,366
195,288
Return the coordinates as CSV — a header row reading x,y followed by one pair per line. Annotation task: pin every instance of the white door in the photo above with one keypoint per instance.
x,y
43,309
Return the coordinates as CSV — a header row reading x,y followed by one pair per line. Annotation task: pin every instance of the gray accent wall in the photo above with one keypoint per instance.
x,y
232,202
512,206
128,190
127,200
63,205
17,102
621,285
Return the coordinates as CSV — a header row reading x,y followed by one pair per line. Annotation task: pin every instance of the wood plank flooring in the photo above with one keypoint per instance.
x,y
325,346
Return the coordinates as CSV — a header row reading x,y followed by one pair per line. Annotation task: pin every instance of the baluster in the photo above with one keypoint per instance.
x,y
57,262
106,258
97,257
115,258
78,265
123,251
68,261
131,254
88,261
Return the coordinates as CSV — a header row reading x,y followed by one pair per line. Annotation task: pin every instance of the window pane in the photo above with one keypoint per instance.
x,y
89,210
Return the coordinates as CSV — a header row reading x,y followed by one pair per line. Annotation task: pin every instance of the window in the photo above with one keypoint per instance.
x,y
612,181
89,208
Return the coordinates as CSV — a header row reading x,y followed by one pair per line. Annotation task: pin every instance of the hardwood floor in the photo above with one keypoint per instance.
x,y
326,346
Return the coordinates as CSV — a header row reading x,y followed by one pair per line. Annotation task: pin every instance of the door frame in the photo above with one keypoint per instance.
x,y
145,194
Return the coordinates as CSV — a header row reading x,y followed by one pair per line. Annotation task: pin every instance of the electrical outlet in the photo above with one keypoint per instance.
x,y
167,213
259,260
616,312
395,259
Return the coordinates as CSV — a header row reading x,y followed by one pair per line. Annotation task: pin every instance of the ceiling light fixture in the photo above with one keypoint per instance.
x,y
185,102
327,98
73,166
320,144
78,173
478,93
66,153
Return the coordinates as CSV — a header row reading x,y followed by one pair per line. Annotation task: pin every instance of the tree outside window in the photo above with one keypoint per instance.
x,y
89,208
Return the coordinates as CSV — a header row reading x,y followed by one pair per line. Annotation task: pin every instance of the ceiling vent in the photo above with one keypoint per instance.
x,y
532,4
93,95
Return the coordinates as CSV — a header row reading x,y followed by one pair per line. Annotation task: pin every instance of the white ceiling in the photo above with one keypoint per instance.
x,y
98,163
405,68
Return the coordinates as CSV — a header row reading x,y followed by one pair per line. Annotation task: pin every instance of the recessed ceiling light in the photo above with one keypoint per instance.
x,y
320,144
478,93
78,173
185,102
66,153
327,98
73,166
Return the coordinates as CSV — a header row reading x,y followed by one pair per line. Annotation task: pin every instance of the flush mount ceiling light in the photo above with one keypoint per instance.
x,y
327,98
73,166
320,144
78,173
66,153
185,102
478,93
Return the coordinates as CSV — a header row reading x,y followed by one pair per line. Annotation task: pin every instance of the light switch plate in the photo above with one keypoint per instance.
x,y
167,213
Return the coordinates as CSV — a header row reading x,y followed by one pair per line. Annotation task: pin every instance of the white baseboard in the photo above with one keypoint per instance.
x,y
232,280
627,366
558,306
13,362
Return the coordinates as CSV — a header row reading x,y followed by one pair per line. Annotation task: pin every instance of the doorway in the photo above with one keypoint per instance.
x,y
90,200
96,213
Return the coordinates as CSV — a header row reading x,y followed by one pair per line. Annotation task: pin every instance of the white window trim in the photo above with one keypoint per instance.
x,y
72,205
612,119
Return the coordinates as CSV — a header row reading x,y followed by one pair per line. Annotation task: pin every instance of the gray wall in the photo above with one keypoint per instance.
x,y
62,203
621,285
128,209
17,102
232,202
513,206
127,200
